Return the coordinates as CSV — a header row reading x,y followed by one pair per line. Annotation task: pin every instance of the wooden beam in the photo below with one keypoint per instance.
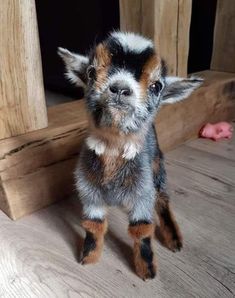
x,y
130,15
22,101
167,23
223,55
36,169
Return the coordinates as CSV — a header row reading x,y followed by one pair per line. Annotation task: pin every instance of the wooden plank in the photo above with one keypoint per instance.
x,y
183,26
166,32
224,37
167,23
42,250
130,15
22,101
45,159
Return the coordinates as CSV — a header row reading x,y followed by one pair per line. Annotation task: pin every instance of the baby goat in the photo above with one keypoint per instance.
x,y
120,164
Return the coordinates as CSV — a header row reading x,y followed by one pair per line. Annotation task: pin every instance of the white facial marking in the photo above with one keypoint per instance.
x,y
133,42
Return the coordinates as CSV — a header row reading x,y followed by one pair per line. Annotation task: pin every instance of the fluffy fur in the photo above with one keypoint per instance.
x,y
120,164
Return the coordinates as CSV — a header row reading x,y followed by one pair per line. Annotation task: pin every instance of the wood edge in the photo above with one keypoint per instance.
x,y
4,203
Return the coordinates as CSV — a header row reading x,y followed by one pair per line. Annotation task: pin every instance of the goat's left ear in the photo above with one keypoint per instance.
x,y
177,89
76,67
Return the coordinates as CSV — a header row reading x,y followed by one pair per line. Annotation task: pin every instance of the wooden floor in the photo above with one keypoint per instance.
x,y
38,254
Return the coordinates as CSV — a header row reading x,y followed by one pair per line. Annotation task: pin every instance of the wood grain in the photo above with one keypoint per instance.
x,y
39,253
167,23
182,43
130,15
224,37
45,160
22,101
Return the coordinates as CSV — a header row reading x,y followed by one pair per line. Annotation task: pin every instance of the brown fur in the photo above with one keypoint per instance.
x,y
113,138
140,231
169,229
151,65
95,227
98,229
103,59
111,165
141,266
94,255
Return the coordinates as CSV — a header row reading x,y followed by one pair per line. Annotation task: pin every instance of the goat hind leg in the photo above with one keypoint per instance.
x,y
169,229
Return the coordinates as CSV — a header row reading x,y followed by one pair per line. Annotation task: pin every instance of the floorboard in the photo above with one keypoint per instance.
x,y
39,253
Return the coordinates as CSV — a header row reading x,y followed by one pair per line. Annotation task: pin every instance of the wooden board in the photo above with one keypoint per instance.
x,y
36,169
130,15
22,101
39,253
223,55
166,22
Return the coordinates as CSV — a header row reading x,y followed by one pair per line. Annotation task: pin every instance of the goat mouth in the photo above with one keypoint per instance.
x,y
111,115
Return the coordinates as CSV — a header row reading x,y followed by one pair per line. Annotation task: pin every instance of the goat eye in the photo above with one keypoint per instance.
x,y
91,72
156,87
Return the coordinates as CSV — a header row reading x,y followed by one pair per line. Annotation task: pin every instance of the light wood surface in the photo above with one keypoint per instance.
x,y
22,101
45,159
223,55
130,15
38,254
167,22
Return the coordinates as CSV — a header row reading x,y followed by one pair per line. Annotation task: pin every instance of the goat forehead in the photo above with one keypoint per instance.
x,y
131,41
115,56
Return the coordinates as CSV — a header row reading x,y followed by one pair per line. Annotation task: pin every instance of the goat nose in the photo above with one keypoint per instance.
x,y
120,89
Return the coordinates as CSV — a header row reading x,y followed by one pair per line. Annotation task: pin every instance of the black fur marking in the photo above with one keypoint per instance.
x,y
168,222
160,177
139,222
97,114
147,254
91,73
164,68
89,244
81,73
96,220
126,59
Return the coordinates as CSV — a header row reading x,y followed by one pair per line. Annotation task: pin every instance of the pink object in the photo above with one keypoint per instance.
x,y
216,131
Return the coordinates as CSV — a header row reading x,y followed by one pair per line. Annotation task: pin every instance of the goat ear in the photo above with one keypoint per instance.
x,y
76,67
177,89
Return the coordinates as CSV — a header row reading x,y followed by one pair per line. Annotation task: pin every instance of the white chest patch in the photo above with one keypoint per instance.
x,y
129,151
95,144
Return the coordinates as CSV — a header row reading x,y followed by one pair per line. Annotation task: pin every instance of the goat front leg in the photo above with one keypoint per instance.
x,y
169,229
96,227
142,233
